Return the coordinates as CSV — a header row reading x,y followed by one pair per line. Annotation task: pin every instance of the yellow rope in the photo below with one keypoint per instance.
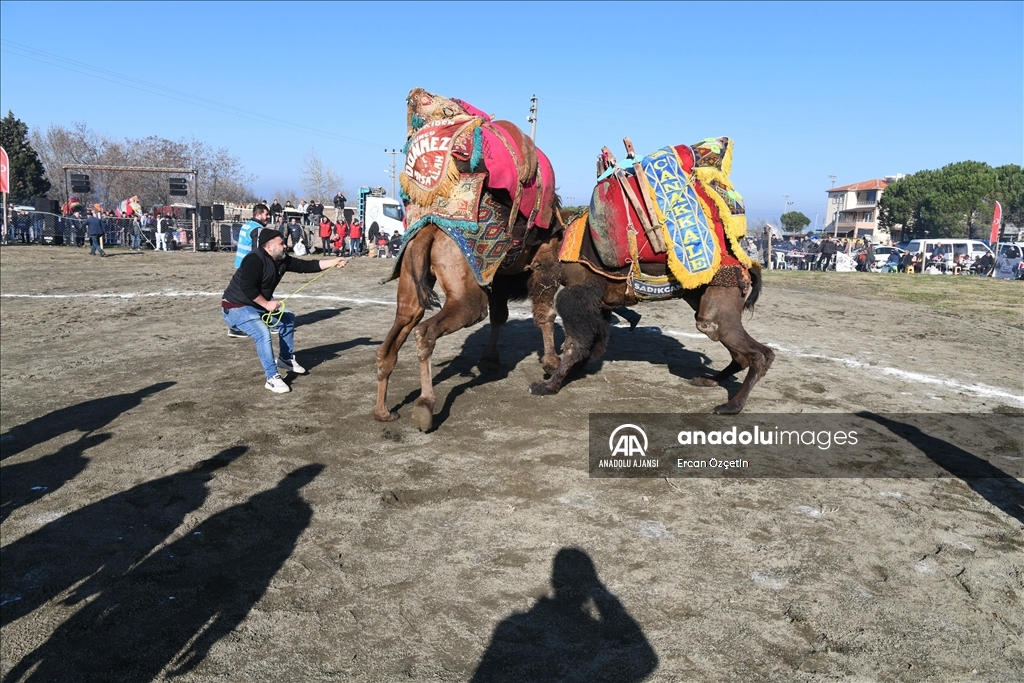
x,y
273,318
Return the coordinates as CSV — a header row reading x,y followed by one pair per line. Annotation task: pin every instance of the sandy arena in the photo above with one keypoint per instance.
x,y
167,518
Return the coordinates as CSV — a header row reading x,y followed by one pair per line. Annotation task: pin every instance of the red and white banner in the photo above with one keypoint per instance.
x,y
997,218
5,172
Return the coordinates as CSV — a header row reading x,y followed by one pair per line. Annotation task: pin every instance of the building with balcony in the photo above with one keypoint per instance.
x,y
852,210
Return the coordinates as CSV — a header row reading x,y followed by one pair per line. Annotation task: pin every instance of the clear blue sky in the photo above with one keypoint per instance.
x,y
857,90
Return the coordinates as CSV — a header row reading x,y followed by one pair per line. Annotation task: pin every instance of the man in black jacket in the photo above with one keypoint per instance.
x,y
250,295
339,204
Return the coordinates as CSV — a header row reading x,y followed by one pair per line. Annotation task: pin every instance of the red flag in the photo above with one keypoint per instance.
x,y
5,173
997,218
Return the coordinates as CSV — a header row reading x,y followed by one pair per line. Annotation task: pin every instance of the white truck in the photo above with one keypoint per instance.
x,y
376,208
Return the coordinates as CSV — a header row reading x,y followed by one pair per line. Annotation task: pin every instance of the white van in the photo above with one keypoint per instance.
x,y
951,249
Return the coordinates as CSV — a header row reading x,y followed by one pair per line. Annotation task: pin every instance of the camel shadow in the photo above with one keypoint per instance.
x,y
88,416
171,608
999,488
581,633
651,345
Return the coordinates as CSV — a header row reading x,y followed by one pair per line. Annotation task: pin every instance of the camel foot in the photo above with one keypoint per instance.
x,y
386,416
423,417
704,382
490,365
730,408
542,389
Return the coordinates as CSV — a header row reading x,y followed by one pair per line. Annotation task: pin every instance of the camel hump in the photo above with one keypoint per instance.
x,y
526,163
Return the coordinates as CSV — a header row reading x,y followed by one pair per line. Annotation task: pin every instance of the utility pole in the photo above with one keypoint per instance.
x,y
836,214
391,172
532,118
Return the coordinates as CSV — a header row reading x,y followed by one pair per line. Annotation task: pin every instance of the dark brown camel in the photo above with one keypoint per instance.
x,y
588,299
432,257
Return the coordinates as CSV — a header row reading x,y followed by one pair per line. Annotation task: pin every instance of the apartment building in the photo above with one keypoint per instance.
x,y
852,210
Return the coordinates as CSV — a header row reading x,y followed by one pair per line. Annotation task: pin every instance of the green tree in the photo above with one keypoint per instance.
x,y
954,201
28,177
794,221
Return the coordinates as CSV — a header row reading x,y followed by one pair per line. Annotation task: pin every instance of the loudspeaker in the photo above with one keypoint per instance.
x,y
205,213
218,212
206,245
47,205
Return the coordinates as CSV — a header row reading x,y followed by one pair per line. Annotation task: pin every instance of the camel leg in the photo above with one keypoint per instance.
x,y
542,286
586,331
719,316
490,360
408,314
465,305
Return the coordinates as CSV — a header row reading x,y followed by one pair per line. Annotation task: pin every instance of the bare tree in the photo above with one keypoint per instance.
x,y
221,176
319,181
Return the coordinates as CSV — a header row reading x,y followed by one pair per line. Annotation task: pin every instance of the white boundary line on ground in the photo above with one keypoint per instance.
x,y
983,390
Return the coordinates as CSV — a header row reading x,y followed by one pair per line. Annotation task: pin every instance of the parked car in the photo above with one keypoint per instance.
x,y
1008,260
950,248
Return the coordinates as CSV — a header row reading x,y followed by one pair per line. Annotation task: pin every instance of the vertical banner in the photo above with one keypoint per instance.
x,y
997,218
5,173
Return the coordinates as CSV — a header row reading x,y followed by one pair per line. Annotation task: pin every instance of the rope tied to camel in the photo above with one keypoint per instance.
x,y
273,318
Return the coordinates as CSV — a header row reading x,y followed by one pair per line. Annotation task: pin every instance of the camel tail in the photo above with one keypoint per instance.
x,y
755,286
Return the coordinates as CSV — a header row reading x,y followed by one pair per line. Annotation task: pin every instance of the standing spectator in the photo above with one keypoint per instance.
x,y
275,210
396,244
304,210
355,236
326,230
295,231
260,216
339,204
161,234
341,242
95,229
136,234
828,253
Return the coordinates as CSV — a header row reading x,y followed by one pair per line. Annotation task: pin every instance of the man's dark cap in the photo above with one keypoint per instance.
x,y
266,235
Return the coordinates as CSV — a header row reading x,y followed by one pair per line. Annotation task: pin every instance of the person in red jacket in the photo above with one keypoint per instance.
x,y
326,229
355,235
341,237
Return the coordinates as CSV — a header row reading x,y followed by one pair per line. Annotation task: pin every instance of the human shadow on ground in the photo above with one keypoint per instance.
x,y
999,488
582,633
100,542
319,315
26,482
87,416
181,599
314,356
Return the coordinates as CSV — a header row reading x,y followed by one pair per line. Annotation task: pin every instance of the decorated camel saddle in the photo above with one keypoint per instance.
x,y
482,182
667,222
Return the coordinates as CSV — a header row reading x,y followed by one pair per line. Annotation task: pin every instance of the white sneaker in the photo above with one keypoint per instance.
x,y
277,385
292,365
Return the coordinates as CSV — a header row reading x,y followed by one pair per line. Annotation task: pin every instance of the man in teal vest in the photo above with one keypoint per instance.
x,y
247,235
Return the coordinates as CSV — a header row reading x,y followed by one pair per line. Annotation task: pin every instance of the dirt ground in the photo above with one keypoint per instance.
x,y
164,516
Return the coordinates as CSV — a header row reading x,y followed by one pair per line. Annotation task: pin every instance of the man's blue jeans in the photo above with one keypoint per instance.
x,y
248,320
95,241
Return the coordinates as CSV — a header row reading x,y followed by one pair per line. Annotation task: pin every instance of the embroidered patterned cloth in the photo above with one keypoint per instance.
x,y
701,219
474,220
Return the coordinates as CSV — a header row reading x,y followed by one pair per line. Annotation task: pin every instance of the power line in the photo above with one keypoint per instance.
x,y
169,93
